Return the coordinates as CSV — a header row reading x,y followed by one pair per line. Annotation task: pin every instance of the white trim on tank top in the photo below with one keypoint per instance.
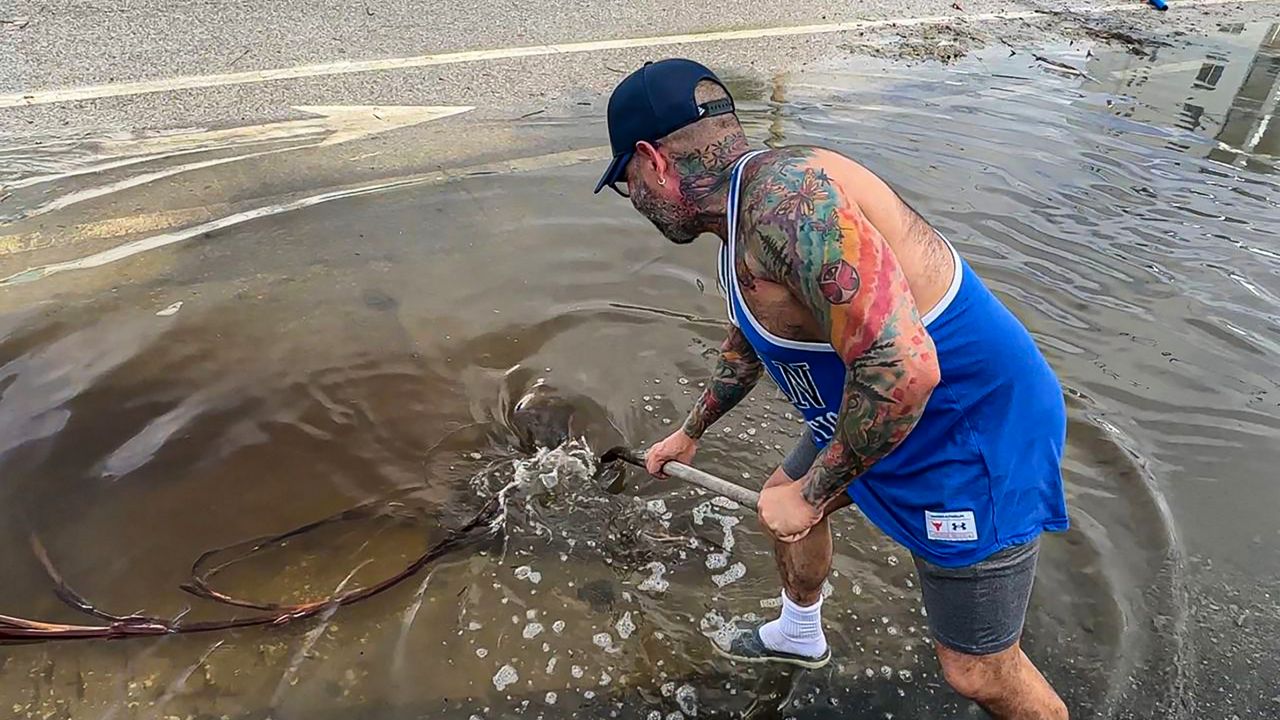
x,y
726,268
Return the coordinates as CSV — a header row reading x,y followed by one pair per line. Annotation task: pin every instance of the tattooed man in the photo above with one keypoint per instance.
x,y
927,403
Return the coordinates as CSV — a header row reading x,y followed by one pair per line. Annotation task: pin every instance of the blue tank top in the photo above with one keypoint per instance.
x,y
981,470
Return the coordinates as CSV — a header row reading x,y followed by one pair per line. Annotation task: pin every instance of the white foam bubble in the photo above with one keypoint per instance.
x,y
655,583
576,671
725,503
505,676
551,664
551,698
716,561
532,630
481,653
602,640
735,573
905,675
557,627
625,626
711,620
687,700
605,678
668,689
524,572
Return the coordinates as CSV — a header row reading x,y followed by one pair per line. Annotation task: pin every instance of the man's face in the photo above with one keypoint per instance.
x,y
664,205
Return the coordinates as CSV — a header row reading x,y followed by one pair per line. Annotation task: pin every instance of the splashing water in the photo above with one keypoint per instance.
x,y
571,461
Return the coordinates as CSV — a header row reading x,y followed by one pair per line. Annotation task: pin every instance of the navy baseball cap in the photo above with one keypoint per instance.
x,y
654,102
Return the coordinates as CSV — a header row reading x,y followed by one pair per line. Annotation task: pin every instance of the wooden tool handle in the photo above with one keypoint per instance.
x,y
707,481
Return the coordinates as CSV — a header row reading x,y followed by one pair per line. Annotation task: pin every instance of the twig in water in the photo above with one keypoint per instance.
x,y
181,681
1064,67
410,614
239,57
312,636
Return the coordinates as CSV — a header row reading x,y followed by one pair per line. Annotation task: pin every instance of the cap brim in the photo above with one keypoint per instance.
x,y
617,168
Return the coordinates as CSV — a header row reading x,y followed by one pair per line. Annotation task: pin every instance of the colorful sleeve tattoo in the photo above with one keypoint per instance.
x,y
736,373
806,234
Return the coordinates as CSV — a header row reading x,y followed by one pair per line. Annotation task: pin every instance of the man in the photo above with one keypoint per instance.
x,y
927,402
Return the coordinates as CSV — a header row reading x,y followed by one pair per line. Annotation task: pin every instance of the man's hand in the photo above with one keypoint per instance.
x,y
678,446
785,513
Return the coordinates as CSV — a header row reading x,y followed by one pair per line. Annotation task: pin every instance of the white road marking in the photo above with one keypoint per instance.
x,y
332,125
129,249
337,123
346,67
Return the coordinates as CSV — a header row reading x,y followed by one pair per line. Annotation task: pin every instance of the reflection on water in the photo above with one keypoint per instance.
x,y
375,347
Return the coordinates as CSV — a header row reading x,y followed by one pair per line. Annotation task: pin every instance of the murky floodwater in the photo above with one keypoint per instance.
x,y
370,348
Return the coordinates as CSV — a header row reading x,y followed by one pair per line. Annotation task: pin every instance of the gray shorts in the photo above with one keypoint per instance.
x,y
976,610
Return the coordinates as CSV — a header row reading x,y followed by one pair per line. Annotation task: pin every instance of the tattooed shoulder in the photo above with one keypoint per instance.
x,y
791,224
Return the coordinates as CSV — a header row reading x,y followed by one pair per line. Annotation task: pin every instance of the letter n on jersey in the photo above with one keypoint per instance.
x,y
799,385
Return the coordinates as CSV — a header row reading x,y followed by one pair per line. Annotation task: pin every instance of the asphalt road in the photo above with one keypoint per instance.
x,y
60,44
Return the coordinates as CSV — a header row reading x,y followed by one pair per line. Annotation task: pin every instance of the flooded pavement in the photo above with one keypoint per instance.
x,y
256,361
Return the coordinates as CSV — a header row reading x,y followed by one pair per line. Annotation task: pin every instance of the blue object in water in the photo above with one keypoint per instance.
x,y
1159,4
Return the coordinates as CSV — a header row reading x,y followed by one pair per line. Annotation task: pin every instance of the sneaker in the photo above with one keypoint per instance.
x,y
747,647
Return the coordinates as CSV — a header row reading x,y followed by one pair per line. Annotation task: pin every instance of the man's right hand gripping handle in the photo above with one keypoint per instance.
x,y
678,446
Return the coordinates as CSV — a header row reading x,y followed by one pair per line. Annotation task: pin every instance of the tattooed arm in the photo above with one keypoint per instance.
x,y
813,238
736,373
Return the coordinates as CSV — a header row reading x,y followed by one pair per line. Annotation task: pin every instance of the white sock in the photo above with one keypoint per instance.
x,y
798,631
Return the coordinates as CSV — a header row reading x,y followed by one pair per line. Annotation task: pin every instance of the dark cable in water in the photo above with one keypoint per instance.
x,y
22,630
15,629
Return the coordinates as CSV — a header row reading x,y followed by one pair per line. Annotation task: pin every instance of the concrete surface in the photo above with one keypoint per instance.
x,y
61,44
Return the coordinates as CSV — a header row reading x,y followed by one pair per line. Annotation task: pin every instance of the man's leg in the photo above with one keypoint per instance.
x,y
976,615
1006,684
796,636
804,565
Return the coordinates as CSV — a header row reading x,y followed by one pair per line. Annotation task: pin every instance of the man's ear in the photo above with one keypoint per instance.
x,y
649,154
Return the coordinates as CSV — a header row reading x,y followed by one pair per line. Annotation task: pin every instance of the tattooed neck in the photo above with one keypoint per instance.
x,y
704,178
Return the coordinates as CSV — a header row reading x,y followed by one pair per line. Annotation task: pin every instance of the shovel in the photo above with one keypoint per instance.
x,y
688,474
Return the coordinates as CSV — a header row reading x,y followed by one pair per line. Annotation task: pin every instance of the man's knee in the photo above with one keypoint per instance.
x,y
980,678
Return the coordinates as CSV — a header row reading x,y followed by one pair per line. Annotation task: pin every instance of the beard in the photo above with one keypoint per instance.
x,y
676,221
